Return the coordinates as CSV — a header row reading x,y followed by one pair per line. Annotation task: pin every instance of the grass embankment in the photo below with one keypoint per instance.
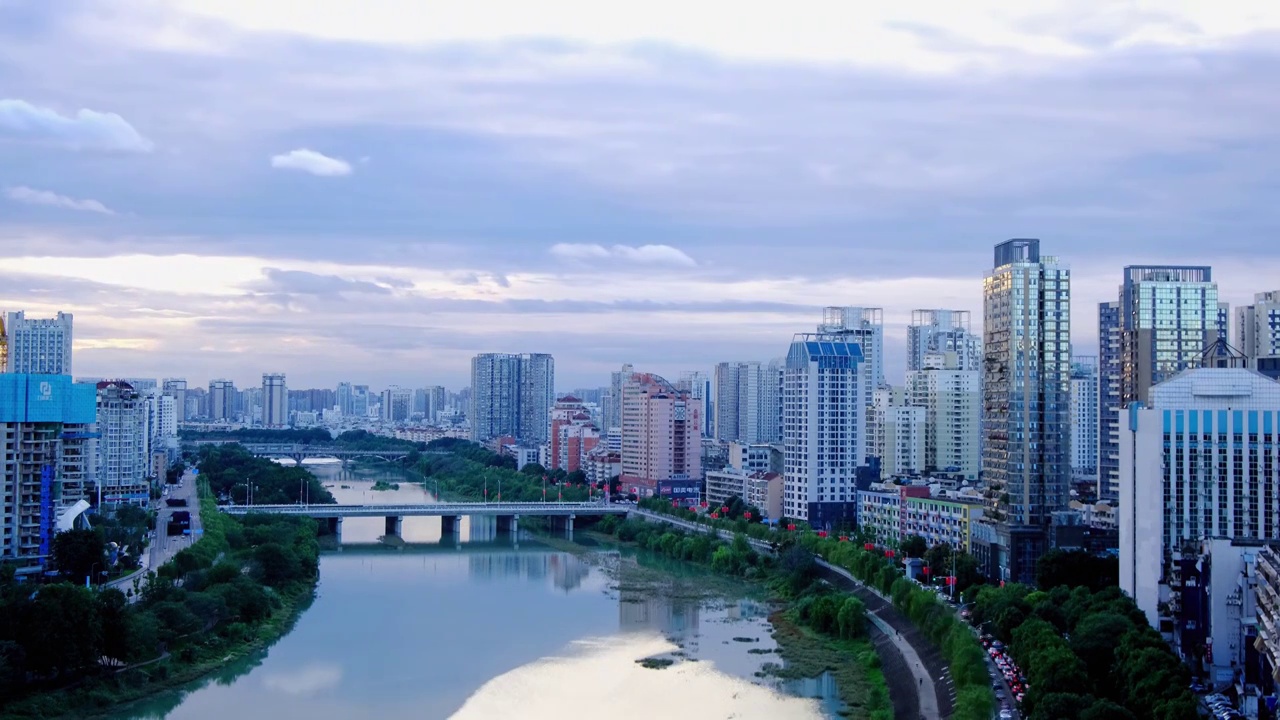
x,y
965,658
234,592
818,629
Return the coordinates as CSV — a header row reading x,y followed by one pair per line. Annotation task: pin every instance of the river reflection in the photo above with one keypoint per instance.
x,y
488,629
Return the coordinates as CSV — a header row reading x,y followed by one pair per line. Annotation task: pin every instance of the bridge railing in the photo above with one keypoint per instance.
x,y
529,508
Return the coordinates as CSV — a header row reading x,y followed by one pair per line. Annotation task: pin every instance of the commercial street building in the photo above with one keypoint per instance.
x,y
889,513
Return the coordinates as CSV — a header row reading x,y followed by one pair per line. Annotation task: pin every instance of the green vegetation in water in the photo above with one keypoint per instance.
x,y
746,639
384,485
68,651
821,631
656,663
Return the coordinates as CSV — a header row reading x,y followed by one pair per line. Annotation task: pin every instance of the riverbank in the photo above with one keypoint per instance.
x,y
233,593
852,660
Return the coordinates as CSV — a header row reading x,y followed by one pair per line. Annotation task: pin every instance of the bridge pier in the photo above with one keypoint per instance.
x,y
508,524
395,525
450,525
563,523
335,528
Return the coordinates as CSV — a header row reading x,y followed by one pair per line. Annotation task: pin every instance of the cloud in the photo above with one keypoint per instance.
x,y
312,162
644,254
300,282
31,196
307,680
89,129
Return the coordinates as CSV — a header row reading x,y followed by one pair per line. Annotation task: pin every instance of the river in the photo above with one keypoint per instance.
x,y
494,628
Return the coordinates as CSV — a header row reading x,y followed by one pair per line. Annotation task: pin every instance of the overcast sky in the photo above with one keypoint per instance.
x,y
376,190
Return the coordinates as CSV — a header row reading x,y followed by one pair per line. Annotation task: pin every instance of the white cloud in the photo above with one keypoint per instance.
x,y
878,33
645,254
307,680
31,196
312,162
89,129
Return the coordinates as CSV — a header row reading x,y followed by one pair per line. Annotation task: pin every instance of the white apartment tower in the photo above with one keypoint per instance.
x,y
1258,333
952,400
826,395
176,388
37,346
124,460
935,331
896,433
1200,462
1084,416
275,401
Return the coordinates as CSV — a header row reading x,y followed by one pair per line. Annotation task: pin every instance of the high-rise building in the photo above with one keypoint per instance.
x,y
344,396
47,449
1026,454
826,395
865,326
39,346
1165,319
222,400
397,404
162,419
124,460
940,331
1198,462
572,435
952,399
176,388
661,434
746,402
613,408
1084,416
698,385
512,395
1258,333
896,433
275,401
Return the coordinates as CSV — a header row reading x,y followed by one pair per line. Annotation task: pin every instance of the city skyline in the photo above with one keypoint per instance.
x,y
231,190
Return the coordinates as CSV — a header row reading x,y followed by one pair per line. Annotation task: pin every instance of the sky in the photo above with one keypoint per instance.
x,y
377,190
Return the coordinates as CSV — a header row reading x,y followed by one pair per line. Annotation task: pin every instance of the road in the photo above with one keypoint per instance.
x,y
166,546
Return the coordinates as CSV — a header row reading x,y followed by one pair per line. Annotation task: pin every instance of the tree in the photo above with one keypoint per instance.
x,y
533,470
75,552
1075,568
60,630
914,546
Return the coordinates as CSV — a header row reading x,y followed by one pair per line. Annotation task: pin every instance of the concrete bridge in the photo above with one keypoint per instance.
x,y
299,451
507,514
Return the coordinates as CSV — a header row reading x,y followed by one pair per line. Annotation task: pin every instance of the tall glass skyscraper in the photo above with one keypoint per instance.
x,y
1164,320
1026,456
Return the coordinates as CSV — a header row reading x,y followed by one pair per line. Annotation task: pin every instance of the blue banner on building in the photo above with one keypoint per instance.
x,y
680,489
46,398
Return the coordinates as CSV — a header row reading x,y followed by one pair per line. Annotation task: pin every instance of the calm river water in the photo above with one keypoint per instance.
x,y
490,628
